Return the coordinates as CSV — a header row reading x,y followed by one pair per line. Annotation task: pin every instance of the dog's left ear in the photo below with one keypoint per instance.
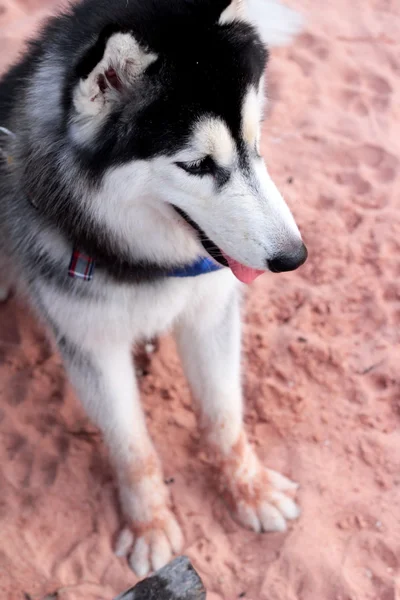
x,y
276,23
107,74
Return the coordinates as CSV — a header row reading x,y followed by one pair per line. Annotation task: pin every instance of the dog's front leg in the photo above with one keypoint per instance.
x,y
209,343
105,381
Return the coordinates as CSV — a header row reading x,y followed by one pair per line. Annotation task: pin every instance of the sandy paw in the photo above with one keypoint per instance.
x,y
263,505
148,547
260,499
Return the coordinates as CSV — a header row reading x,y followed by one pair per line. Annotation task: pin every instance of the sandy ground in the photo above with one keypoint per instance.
x,y
321,355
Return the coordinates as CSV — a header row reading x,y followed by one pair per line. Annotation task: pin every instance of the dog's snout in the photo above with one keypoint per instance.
x,y
289,261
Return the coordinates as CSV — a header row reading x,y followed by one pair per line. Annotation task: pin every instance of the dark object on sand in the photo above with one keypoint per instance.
x,y
176,581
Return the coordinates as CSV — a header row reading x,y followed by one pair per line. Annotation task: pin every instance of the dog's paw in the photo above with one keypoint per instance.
x,y
261,503
260,499
150,546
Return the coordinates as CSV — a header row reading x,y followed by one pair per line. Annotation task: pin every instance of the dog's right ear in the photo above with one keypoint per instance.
x,y
106,75
276,23
235,11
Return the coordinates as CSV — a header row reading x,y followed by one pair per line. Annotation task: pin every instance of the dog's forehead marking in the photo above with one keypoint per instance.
x,y
212,136
251,116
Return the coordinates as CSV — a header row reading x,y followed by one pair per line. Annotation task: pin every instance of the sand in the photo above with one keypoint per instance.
x,y
321,356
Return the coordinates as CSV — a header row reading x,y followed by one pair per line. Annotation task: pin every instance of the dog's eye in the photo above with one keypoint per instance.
x,y
205,166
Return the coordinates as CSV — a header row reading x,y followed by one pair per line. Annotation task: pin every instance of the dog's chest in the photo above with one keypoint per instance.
x,y
128,313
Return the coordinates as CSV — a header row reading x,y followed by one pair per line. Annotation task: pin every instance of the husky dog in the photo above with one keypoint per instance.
x,y
134,200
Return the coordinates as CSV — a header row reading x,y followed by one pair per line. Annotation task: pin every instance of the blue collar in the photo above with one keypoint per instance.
x,y
201,266
82,267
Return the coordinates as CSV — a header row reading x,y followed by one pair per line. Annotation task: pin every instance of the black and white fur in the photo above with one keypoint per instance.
x,y
134,121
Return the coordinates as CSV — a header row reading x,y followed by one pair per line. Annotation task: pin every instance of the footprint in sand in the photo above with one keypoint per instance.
x,y
48,469
310,49
28,466
18,387
365,92
371,169
371,567
19,452
383,164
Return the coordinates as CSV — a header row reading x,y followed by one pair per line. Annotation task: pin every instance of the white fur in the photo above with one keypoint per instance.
x,y
236,10
211,136
251,117
129,200
45,109
276,23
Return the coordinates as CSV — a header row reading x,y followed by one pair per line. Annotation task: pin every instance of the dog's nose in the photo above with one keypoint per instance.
x,y
289,261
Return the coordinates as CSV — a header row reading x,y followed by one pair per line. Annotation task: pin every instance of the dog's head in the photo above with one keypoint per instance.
x,y
180,92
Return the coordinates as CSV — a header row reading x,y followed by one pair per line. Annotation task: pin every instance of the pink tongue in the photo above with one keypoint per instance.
x,y
244,274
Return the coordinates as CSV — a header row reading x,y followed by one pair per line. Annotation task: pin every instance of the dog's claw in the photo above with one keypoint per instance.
x,y
280,482
124,543
139,558
271,519
286,506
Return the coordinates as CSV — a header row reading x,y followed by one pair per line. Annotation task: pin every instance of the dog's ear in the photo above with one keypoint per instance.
x,y
235,11
106,74
276,23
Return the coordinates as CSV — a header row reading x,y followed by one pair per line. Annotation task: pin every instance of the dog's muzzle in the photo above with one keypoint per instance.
x,y
207,244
